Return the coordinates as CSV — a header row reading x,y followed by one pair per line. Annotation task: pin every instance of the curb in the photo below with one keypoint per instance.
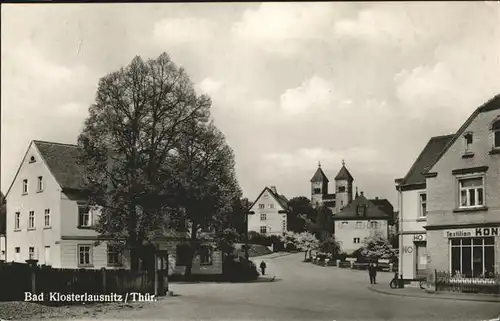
x,y
434,296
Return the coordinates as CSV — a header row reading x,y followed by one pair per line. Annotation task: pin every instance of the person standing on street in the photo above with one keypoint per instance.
x,y
372,271
263,267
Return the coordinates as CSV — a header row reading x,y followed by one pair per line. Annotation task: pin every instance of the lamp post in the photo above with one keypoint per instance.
x,y
400,233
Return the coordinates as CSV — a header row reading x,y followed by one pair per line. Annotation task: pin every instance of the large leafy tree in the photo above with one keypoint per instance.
x,y
206,180
301,210
129,141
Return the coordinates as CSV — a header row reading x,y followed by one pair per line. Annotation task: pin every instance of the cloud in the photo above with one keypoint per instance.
x,y
209,86
312,93
187,30
282,27
306,158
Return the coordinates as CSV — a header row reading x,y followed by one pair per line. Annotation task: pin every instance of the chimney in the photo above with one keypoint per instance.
x,y
362,193
376,197
273,188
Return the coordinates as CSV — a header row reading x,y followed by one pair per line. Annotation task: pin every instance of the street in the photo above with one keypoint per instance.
x,y
303,291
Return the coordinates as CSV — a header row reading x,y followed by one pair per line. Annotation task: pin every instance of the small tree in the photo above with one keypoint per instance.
x,y
304,241
377,247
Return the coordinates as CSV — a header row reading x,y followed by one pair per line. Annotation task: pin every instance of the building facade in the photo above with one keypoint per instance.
x,y
463,199
343,189
412,199
48,217
360,219
268,214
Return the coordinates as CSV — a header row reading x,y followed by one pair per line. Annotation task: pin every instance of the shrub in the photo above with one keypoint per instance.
x,y
240,271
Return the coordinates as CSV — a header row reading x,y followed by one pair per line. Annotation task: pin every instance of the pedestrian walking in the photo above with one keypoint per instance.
x,y
263,267
372,271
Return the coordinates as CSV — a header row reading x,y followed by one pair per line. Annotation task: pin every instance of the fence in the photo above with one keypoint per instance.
x,y
445,281
18,279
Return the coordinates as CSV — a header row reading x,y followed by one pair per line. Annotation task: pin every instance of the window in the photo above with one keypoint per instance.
x,y
84,216
495,128
283,225
341,189
344,225
262,206
17,252
25,186
356,240
360,225
31,220
32,159
47,255
31,253
472,257
374,224
422,198
263,229
40,184
84,255
17,221
317,191
205,255
271,206
113,256
262,217
468,142
46,218
471,192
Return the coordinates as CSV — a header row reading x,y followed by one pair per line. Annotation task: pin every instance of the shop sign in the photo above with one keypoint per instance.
x,y
472,232
419,237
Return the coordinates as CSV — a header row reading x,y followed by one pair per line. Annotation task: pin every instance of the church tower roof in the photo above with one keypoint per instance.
x,y
319,176
344,174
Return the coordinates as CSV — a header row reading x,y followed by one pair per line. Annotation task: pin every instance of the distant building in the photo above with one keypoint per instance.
x,y
360,219
268,214
343,189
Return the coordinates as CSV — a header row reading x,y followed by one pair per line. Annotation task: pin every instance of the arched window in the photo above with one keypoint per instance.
x,y
495,128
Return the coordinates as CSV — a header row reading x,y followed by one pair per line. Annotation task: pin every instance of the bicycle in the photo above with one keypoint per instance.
x,y
395,281
423,284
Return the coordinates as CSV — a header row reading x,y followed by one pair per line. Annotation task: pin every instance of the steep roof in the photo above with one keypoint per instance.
x,y
281,199
344,174
372,210
426,158
62,160
384,205
490,105
319,176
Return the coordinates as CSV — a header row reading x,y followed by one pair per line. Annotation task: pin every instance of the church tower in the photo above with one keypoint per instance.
x,y
319,186
343,188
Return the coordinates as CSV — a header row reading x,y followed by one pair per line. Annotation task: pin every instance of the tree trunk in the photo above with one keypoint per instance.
x,y
192,242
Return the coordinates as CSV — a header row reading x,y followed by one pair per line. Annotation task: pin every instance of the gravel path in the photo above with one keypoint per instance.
x,y
33,311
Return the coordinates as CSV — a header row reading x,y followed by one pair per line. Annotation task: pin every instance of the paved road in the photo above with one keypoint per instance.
x,y
303,291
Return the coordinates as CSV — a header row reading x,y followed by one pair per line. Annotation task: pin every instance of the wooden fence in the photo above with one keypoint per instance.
x,y
445,281
16,280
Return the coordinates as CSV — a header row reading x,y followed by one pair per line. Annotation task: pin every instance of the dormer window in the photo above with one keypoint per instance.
x,y
361,210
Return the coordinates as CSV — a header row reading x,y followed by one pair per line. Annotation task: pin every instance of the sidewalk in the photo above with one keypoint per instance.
x,y
416,292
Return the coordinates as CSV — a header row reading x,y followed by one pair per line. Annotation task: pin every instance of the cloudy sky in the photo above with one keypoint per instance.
x,y
291,83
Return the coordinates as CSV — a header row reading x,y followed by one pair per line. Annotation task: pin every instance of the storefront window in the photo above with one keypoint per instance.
x,y
472,257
